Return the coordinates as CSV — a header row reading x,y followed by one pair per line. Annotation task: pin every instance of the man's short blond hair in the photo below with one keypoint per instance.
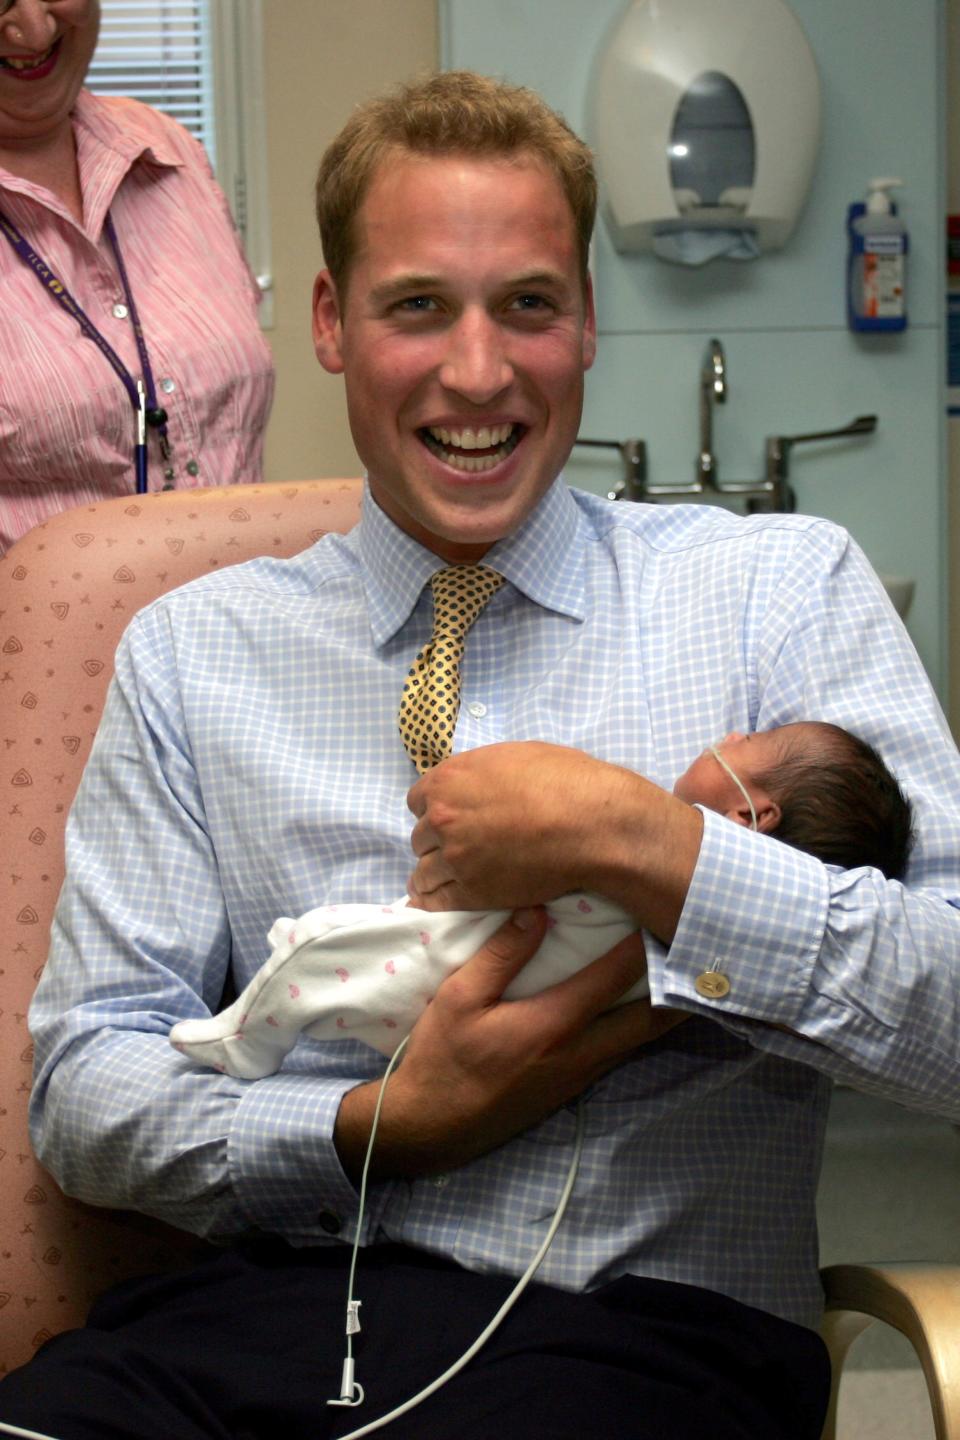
x,y
454,112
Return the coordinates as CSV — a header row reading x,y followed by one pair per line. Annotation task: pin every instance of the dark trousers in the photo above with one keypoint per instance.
x,y
249,1346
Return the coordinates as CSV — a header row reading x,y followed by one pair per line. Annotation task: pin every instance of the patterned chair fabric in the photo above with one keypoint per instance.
x,y
67,591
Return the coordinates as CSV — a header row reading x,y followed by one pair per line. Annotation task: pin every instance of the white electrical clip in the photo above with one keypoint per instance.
x,y
351,1391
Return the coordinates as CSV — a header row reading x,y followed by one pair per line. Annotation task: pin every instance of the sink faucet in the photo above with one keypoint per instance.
x,y
713,390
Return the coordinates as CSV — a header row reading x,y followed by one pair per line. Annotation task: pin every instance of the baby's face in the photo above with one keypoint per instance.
x,y
705,782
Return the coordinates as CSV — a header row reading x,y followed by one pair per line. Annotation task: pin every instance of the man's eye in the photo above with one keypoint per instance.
x,y
529,303
418,304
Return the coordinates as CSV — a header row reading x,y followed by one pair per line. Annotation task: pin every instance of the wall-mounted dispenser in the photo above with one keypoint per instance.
x,y
705,115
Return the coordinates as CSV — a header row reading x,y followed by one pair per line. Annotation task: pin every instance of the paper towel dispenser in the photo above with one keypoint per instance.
x,y
705,116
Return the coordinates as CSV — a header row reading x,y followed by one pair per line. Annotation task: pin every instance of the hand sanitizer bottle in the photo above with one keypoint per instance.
x,y
876,266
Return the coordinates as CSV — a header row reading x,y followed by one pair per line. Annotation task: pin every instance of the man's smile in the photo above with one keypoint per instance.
x,y
469,449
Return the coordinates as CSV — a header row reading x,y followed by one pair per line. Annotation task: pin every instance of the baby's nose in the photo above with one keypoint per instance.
x,y
733,736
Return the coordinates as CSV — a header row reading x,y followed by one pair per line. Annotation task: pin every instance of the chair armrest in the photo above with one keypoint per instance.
x,y
923,1303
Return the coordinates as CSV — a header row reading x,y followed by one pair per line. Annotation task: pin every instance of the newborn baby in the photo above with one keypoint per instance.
x,y
367,972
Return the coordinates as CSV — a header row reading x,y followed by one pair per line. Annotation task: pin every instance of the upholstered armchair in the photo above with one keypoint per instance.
x,y
67,591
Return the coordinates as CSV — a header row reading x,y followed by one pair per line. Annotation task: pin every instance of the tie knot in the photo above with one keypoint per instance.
x,y
460,593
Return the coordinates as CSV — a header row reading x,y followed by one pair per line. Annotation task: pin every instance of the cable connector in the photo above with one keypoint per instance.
x,y
353,1317
351,1392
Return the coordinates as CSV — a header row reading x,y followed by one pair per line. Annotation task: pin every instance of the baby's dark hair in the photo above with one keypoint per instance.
x,y
840,803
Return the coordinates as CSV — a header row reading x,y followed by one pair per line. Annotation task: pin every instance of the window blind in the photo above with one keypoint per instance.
x,y
159,51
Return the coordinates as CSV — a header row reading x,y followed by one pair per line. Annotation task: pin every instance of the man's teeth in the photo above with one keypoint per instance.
x,y
470,439
501,439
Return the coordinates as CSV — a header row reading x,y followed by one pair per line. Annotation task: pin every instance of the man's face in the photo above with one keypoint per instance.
x,y
463,339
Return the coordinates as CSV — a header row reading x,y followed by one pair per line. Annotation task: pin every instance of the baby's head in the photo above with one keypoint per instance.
x,y
814,786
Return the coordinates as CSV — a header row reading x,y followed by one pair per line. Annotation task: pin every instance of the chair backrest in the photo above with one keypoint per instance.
x,y
67,591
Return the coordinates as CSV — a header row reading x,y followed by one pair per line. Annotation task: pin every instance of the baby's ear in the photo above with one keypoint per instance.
x,y
768,811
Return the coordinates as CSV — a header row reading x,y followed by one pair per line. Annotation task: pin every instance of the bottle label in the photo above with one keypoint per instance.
x,y
883,285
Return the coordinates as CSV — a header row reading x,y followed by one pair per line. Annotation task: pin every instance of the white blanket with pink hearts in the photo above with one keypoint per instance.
x,y
367,972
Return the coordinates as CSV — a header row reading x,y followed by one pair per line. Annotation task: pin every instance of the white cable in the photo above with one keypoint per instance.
x,y
27,1434
351,1391
507,1305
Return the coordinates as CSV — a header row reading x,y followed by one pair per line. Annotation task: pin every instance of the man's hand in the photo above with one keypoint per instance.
x,y
521,823
479,1069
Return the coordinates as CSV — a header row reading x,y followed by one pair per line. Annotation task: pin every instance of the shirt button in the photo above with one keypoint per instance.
x,y
167,385
192,468
120,312
328,1222
440,1182
477,709
712,985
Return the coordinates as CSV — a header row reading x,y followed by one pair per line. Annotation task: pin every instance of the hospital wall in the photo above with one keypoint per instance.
x,y
793,365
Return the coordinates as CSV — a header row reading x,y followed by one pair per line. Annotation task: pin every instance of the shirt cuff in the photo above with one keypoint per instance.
x,y
750,931
283,1165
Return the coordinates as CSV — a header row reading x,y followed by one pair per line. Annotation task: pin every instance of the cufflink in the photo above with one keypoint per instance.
x,y
712,985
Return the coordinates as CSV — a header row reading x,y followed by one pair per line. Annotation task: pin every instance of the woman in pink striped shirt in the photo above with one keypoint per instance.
x,y
109,208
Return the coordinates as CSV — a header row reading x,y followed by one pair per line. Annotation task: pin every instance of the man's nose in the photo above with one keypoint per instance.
x,y
476,364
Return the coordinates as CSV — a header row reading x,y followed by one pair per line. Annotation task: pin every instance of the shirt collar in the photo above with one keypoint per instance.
x,y
125,127
544,559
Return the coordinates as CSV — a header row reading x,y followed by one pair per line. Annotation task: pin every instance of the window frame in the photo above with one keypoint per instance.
x,y
231,89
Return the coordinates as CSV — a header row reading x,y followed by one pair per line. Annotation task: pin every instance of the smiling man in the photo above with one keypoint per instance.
x,y
463,326
250,755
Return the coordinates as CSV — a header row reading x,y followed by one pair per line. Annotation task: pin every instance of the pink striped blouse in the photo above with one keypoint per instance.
x,y
67,427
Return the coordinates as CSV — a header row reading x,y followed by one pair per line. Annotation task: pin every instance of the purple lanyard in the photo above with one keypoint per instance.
x,y
143,394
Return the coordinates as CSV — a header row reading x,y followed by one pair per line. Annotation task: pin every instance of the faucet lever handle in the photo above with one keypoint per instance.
x,y
862,425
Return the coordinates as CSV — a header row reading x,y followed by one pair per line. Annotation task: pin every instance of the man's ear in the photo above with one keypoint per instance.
x,y
589,341
768,811
327,326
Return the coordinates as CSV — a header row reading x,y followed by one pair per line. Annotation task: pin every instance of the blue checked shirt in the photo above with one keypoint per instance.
x,y
249,765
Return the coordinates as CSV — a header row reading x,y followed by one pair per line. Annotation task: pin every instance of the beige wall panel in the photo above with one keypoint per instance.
x,y
321,57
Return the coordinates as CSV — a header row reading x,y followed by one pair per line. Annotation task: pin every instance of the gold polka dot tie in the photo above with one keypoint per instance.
x,y
430,702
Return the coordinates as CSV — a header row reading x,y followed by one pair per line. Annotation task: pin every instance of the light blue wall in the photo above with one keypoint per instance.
x,y
793,366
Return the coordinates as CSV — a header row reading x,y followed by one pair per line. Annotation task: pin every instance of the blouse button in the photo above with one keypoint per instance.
x,y
120,311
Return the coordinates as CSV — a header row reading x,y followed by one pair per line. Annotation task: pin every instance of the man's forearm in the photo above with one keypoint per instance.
x,y
645,852
521,823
